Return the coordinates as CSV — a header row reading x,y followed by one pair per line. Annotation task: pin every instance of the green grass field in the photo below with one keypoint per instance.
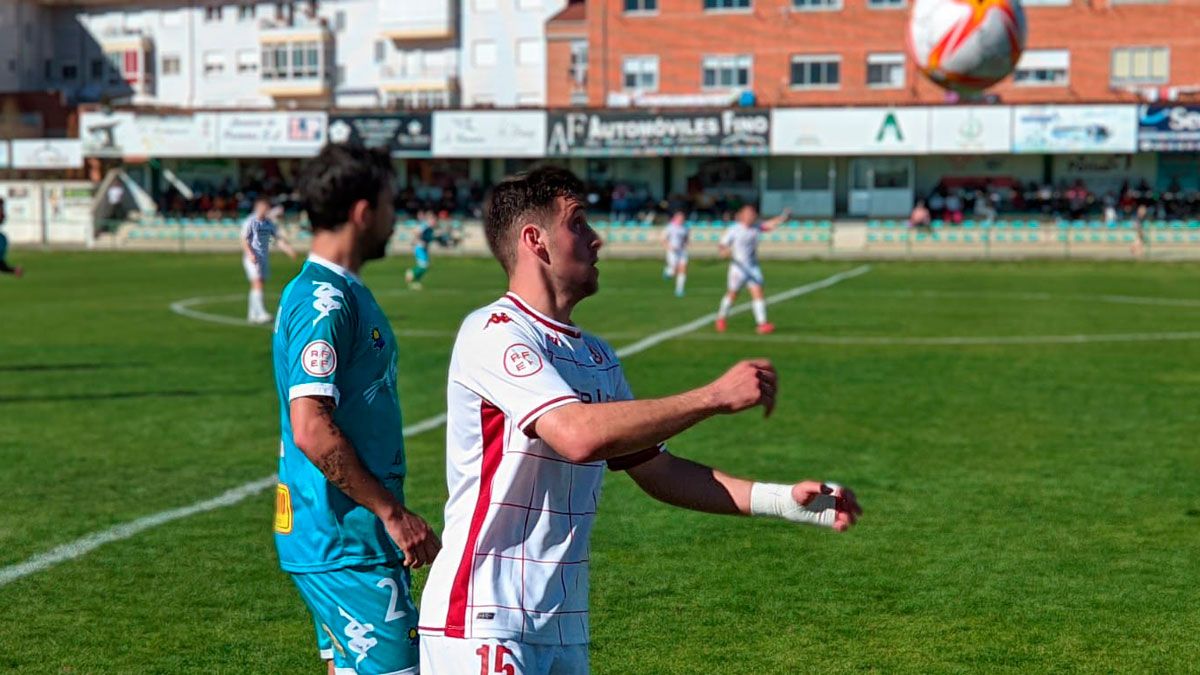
x,y
1031,505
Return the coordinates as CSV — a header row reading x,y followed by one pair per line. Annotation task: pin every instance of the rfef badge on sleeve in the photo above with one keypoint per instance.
x,y
318,359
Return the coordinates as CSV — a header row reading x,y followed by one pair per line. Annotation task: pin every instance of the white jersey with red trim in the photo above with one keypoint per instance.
x,y
514,562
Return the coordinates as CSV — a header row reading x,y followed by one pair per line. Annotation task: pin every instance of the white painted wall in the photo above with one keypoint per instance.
x,y
514,27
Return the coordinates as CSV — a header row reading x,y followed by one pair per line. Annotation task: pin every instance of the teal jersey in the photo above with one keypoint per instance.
x,y
332,339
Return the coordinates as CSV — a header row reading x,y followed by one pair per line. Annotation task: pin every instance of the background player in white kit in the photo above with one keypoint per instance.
x,y
740,245
257,232
675,236
536,410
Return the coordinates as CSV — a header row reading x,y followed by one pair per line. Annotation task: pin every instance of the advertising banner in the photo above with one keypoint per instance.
x,y
615,134
970,130
126,134
1075,129
402,135
47,153
487,133
271,134
850,131
1169,128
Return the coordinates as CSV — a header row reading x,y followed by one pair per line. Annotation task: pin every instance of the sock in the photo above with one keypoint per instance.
x,y
680,280
256,304
725,305
418,272
760,311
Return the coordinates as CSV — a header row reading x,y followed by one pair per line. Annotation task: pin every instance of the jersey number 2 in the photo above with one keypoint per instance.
x,y
501,666
392,612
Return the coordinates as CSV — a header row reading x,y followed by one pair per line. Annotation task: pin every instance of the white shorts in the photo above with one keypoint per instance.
x,y
740,275
676,258
256,270
455,656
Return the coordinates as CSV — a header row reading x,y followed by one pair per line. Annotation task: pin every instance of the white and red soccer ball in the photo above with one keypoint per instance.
x,y
966,45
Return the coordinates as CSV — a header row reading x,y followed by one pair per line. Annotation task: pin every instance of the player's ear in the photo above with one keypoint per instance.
x,y
533,238
360,212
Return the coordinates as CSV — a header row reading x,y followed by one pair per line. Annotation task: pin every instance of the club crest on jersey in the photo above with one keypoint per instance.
x,y
554,340
318,359
521,360
597,357
497,317
377,340
325,299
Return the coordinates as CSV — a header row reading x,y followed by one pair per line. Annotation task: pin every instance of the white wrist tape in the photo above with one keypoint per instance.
x,y
775,500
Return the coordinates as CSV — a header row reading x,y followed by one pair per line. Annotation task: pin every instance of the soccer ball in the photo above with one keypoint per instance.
x,y
966,45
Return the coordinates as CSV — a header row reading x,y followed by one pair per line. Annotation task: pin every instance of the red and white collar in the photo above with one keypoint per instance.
x,y
541,318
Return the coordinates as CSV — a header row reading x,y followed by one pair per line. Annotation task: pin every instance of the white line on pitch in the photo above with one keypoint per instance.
x,y
90,542
951,340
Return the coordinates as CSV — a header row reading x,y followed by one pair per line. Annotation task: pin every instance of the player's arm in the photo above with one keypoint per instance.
x,y
284,243
687,484
246,250
588,432
322,441
772,223
724,246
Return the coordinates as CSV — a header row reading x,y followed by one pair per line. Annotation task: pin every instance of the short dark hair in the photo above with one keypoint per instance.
x,y
530,194
331,183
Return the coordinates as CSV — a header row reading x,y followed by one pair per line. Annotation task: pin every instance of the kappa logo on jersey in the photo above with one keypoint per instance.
x,y
521,360
377,340
497,317
326,299
360,643
318,358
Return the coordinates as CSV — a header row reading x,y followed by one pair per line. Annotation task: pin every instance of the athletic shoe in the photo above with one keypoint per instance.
x,y
721,325
765,328
679,294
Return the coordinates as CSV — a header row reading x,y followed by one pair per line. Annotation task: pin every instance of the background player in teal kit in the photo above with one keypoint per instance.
x,y
341,528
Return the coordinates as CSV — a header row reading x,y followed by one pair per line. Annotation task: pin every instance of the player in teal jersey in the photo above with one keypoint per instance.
x,y
4,266
341,528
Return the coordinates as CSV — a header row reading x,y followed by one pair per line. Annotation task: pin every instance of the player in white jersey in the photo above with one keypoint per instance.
x,y
740,245
675,237
537,409
257,232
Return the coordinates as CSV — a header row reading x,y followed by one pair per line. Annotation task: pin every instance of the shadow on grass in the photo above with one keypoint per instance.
x,y
123,395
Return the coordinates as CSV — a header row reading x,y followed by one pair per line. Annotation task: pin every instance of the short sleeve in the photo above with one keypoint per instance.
x,y
246,228
625,462
501,360
319,331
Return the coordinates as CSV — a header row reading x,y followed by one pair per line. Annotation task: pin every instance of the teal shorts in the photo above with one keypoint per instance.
x,y
365,618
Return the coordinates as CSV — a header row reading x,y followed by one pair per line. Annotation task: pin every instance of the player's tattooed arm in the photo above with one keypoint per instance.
x,y
321,440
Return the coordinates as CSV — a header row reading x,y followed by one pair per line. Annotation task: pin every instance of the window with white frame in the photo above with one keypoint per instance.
x,y
212,13
634,6
246,11
579,62
886,4
214,63
1043,68
380,51
297,60
710,5
726,72
483,53
529,52
170,64
639,73
816,72
816,5
247,61
885,71
1141,65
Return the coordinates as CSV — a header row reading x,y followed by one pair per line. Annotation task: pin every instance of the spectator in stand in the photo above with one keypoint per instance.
x,y
937,205
919,219
954,208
